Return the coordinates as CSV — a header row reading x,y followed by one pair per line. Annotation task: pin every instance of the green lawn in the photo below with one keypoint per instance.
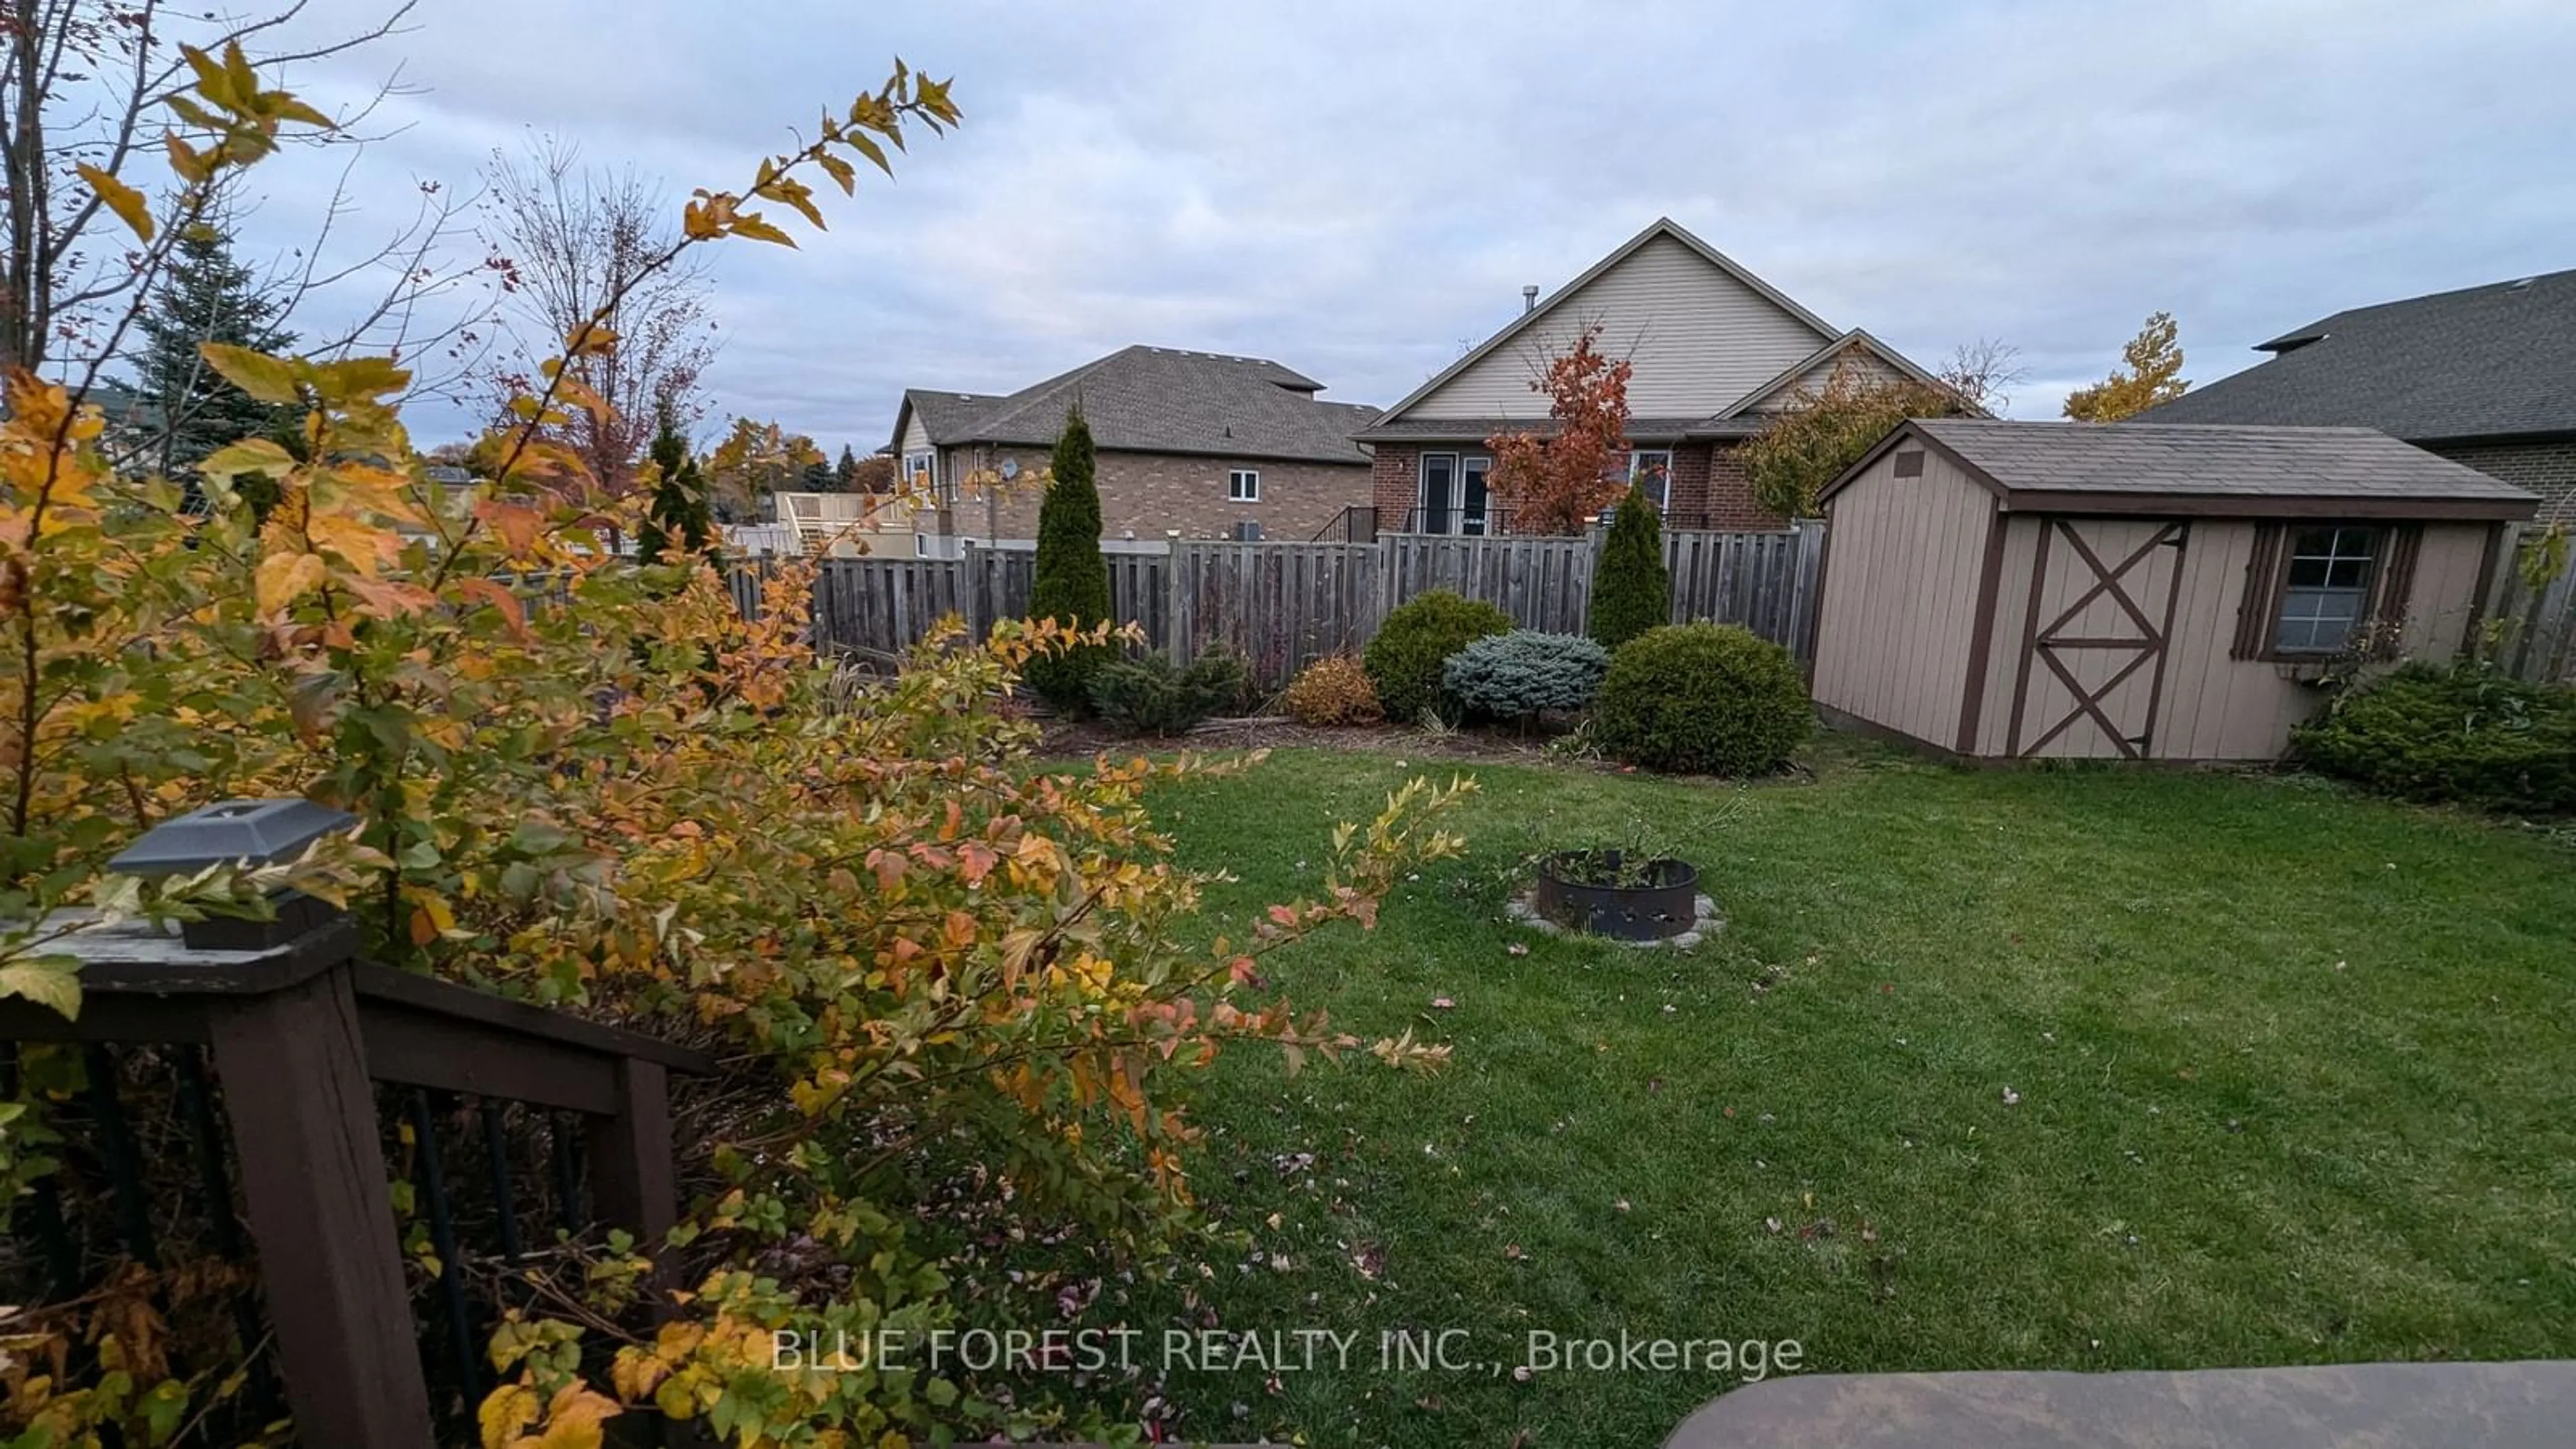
x,y
2292,1073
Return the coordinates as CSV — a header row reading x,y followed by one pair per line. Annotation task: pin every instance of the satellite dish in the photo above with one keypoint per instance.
x,y
1010,469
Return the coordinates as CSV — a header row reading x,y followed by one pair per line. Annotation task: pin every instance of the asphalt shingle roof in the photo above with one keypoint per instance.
x,y
2216,461
1163,400
947,416
2491,361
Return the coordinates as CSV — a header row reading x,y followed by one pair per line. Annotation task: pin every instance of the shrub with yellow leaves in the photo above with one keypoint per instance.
x,y
594,785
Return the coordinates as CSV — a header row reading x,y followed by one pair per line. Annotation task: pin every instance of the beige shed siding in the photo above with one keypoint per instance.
x,y
1898,616
1699,340
2211,707
2446,584
916,438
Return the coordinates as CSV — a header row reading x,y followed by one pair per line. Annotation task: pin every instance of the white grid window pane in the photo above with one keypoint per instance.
x,y
2328,588
1243,485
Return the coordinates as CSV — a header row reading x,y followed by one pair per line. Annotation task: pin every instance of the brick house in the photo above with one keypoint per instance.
x,y
2485,376
1715,350
1196,442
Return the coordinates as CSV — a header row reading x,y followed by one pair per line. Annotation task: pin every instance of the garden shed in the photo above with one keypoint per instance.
x,y
2022,590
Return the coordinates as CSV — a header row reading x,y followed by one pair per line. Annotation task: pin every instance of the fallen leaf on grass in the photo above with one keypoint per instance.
x,y
1442,1003
2011,1097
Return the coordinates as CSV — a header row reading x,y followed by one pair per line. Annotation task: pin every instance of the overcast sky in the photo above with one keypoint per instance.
x,y
1360,190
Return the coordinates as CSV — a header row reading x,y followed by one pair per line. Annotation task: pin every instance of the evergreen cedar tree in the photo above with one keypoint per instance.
x,y
2154,359
1071,582
1560,483
1632,591
206,296
679,519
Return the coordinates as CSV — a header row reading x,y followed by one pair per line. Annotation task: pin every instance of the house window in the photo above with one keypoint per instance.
x,y
1243,485
1651,469
2327,592
918,470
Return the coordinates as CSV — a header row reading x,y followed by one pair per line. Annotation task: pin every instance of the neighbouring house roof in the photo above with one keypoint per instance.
x,y
1157,400
2204,469
946,416
2497,361
1787,347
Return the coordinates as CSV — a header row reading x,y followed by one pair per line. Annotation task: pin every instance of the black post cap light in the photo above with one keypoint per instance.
x,y
253,832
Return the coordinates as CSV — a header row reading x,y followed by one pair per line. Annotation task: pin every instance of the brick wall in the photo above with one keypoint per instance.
x,y
2548,469
1730,496
1395,482
1709,489
1143,495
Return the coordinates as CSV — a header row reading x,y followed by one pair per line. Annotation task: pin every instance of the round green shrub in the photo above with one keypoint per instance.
x,y
1515,675
1708,699
2461,733
1405,659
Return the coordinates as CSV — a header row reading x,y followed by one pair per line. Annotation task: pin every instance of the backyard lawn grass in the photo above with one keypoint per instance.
x,y
2038,1070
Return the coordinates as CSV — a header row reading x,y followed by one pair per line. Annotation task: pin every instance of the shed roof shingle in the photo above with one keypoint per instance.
x,y
2105,464
2491,361
1162,400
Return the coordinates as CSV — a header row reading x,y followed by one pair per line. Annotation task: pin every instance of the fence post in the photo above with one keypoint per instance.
x,y
294,1073
1176,618
970,587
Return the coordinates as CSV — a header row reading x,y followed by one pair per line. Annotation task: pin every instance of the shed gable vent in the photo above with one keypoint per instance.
x,y
1909,464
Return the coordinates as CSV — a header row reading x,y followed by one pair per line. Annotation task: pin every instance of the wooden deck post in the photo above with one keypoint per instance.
x,y
294,1073
633,1184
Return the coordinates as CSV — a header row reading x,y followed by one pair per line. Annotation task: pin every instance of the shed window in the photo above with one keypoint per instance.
x,y
1243,485
2327,593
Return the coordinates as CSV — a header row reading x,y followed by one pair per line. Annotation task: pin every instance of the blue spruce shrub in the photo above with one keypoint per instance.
x,y
1515,675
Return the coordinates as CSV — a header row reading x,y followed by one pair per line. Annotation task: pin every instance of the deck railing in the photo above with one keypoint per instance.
x,y
253,1109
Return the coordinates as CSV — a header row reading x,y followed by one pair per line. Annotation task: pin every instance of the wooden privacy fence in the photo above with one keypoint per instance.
x,y
2537,627
1284,605
283,1074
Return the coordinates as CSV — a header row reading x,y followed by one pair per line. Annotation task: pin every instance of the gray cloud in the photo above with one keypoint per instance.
x,y
1358,190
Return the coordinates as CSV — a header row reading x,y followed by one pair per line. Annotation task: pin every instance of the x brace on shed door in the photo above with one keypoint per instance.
x,y
2062,644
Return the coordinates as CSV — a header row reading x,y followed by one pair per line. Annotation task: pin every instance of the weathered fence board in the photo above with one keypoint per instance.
x,y
1283,605
2536,627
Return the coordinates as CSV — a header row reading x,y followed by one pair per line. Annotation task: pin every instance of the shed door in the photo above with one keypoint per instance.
x,y
2101,614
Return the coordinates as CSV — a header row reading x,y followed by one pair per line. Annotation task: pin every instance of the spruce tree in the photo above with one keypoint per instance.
x,y
817,477
678,520
205,296
845,474
1071,582
1631,590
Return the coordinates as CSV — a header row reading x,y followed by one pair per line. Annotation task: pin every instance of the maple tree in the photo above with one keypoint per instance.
x,y
2154,362
1558,481
625,799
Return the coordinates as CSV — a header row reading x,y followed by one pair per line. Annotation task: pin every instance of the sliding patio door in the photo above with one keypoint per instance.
x,y
1453,494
